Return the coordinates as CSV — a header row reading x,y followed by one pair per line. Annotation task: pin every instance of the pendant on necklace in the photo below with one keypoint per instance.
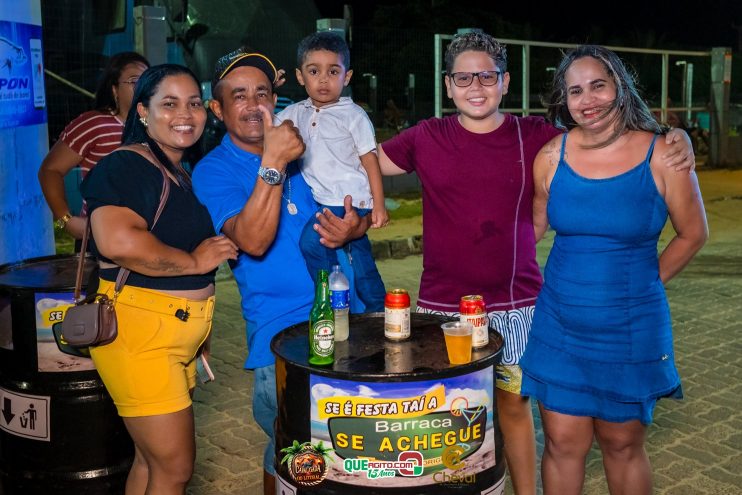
x,y
291,207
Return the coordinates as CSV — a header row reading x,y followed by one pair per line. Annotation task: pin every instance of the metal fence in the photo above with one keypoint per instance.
x,y
538,60
398,77
405,66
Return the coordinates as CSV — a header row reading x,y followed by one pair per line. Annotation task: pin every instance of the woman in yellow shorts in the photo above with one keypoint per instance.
x,y
164,310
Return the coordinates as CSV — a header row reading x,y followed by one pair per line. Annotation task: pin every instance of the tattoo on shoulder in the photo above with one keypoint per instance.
x,y
551,150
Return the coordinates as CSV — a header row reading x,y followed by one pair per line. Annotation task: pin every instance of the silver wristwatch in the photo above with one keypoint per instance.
x,y
271,176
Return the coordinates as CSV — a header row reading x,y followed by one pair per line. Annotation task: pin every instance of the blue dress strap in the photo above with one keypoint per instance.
x,y
651,148
564,143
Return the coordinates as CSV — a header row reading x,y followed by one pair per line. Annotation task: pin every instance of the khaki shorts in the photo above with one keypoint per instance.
x,y
508,377
150,368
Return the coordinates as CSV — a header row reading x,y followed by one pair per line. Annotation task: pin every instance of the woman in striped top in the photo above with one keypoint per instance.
x,y
90,136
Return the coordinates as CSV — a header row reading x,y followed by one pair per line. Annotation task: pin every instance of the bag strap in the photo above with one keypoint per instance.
x,y
81,261
123,272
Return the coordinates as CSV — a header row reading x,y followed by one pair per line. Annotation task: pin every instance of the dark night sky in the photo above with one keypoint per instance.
x,y
684,24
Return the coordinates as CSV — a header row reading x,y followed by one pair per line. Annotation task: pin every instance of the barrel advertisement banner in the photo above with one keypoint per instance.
x,y
22,96
405,434
50,309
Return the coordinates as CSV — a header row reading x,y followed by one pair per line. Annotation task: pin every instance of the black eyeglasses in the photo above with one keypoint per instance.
x,y
485,77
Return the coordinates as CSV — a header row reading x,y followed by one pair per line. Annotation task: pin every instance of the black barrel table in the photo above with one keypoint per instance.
x,y
387,417
59,430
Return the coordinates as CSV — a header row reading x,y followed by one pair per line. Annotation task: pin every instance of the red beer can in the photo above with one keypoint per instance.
x,y
397,314
473,310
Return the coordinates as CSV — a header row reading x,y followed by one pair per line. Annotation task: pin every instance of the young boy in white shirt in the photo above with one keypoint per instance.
x,y
340,159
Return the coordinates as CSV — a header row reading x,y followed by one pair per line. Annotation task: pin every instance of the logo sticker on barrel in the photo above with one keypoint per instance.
x,y
307,462
25,415
452,458
408,463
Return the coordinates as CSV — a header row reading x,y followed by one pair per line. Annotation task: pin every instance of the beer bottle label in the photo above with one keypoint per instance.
x,y
323,338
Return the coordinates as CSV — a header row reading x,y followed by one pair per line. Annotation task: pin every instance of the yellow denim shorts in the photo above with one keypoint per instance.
x,y
150,368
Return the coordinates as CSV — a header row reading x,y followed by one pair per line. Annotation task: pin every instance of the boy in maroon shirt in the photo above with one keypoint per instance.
x,y
476,171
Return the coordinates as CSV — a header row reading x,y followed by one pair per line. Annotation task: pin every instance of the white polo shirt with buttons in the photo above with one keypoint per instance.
x,y
336,136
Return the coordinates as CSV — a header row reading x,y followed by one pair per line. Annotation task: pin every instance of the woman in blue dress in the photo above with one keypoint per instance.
x,y
600,352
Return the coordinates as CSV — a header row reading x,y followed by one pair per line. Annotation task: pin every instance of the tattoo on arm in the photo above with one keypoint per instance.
x,y
164,265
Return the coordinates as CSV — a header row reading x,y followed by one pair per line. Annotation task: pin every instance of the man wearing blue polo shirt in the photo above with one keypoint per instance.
x,y
256,196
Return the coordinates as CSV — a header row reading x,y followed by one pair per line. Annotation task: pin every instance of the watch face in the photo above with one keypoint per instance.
x,y
271,176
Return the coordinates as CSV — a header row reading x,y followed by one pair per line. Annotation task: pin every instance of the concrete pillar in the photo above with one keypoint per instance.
x,y
26,229
721,78
150,33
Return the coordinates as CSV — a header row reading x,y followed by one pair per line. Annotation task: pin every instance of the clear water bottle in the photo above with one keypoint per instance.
x,y
340,300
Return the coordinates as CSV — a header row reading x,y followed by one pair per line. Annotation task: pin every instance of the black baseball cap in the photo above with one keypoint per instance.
x,y
242,58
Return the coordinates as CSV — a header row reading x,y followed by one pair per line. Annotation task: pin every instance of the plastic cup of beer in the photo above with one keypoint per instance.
x,y
458,341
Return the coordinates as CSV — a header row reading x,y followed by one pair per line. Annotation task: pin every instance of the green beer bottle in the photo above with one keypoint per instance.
x,y
322,324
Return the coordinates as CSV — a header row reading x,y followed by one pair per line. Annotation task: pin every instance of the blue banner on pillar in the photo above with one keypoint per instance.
x,y
22,96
